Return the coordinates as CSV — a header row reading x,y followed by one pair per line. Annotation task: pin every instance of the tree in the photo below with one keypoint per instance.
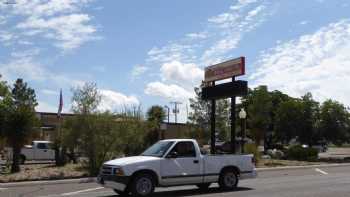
x,y
288,120
334,122
308,133
200,116
85,99
4,92
20,118
155,116
259,105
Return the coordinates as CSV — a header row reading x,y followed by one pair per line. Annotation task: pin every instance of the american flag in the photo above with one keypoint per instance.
x,y
60,106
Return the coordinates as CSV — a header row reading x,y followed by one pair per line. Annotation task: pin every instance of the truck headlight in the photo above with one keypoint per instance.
x,y
118,172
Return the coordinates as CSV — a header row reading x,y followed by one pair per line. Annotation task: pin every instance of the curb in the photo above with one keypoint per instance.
x,y
93,179
48,182
301,167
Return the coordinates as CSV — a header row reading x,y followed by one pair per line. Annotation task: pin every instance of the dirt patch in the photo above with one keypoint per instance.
x,y
45,172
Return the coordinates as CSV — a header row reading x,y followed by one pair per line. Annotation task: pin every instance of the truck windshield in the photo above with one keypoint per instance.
x,y
158,149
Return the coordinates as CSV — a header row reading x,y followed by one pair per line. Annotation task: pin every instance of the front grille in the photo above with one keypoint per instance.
x,y
106,170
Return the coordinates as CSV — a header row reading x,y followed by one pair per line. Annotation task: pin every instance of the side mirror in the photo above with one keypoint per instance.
x,y
172,155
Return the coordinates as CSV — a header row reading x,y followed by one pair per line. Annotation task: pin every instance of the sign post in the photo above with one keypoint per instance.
x,y
210,91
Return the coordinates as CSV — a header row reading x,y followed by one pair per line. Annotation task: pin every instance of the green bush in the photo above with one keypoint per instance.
x,y
252,149
301,154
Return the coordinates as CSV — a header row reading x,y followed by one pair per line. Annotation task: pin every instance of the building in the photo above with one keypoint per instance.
x,y
49,123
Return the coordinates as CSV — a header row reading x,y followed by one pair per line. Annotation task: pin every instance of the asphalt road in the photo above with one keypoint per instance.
x,y
312,182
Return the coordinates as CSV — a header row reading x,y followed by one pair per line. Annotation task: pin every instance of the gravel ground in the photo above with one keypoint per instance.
x,y
44,172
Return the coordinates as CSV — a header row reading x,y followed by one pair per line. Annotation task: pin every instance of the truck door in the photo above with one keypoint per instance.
x,y
182,165
42,151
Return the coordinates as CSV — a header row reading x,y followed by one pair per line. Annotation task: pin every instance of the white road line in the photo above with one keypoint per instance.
x,y
320,171
3,188
81,191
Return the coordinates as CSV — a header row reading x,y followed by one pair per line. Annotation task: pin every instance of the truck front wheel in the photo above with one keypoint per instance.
x,y
228,179
142,185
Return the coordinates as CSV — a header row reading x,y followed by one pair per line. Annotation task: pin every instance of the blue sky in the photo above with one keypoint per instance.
x,y
154,52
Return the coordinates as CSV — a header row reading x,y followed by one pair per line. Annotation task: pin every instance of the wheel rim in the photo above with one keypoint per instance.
x,y
230,179
144,186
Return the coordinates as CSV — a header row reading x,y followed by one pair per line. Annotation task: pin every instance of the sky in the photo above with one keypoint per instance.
x,y
154,52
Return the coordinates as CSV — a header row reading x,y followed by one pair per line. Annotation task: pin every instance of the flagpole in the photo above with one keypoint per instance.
x,y
59,143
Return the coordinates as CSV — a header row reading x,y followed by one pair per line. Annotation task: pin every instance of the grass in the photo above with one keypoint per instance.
x,y
44,172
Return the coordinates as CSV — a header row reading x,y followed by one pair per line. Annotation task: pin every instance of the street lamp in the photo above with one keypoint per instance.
x,y
242,115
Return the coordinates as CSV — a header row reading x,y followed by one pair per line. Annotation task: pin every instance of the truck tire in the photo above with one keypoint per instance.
x,y
228,179
203,186
142,185
21,159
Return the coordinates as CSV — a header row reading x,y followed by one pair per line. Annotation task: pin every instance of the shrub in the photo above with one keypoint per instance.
x,y
252,149
301,154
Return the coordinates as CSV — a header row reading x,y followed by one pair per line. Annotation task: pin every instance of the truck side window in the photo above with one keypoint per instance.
x,y
42,146
185,149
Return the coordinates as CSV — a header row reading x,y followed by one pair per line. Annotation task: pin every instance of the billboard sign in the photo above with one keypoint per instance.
x,y
224,70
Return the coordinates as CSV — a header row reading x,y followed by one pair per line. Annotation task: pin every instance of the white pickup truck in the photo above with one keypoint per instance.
x,y
38,150
174,162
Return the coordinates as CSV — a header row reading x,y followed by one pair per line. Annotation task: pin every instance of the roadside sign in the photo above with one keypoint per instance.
x,y
224,70
225,90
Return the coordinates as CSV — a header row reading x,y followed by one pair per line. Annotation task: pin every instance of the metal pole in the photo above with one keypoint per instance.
x,y
233,121
168,114
212,126
175,112
243,134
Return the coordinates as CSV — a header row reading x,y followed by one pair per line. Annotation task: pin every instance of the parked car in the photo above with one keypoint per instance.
x,y
174,162
321,148
38,150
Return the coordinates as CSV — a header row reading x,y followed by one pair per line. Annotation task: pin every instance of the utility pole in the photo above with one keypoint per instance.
x,y
176,109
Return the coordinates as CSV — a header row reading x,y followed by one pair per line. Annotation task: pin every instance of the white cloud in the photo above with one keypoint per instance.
x,y
169,92
46,107
317,63
200,35
70,31
50,92
180,73
5,36
304,22
138,70
221,35
3,20
113,101
233,26
60,20
23,65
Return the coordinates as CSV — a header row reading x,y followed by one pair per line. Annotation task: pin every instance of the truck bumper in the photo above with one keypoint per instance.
x,y
113,182
249,174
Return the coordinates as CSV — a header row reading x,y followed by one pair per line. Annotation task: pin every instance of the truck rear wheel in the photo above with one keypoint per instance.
x,y
142,185
228,179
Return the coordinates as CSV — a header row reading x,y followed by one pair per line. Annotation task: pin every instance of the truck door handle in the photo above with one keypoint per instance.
x,y
195,161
